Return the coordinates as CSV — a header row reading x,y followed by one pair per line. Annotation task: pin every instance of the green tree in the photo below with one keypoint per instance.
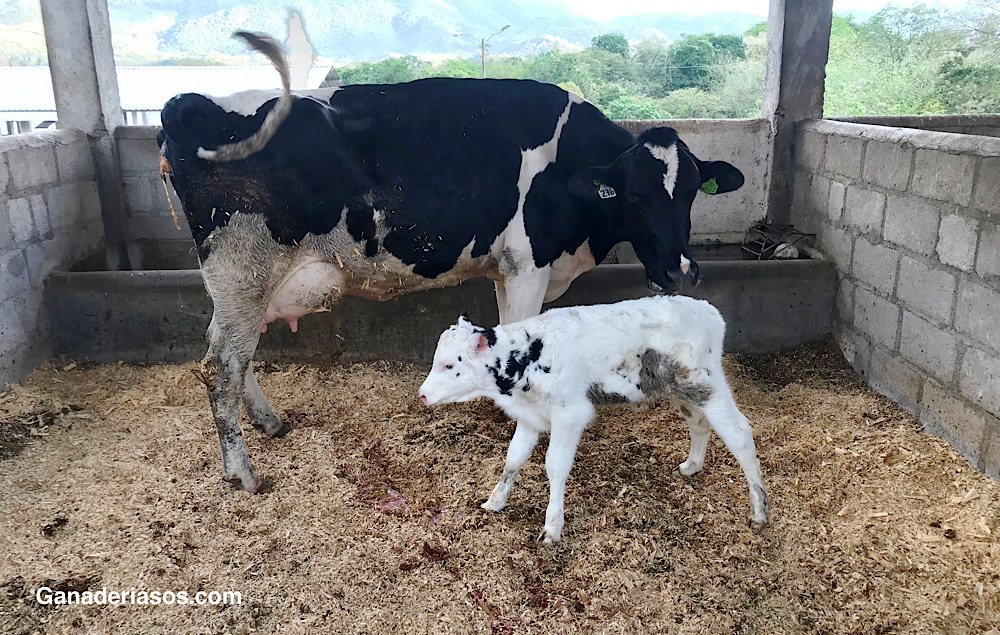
x,y
388,71
689,59
612,43
632,107
649,63
691,103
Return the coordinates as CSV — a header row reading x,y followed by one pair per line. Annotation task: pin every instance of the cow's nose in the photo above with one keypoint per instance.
x,y
423,399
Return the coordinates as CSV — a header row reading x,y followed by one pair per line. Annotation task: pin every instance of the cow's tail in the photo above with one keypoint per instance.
x,y
255,142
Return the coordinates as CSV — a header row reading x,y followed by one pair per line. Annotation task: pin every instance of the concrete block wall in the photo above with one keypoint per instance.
x,y
912,219
984,125
50,217
745,143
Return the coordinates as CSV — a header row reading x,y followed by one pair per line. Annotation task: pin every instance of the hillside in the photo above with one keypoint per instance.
x,y
350,29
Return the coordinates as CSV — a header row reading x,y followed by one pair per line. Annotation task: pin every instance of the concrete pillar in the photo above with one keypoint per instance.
x,y
85,83
798,46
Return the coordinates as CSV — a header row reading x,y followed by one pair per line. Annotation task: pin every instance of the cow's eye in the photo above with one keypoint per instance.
x,y
449,366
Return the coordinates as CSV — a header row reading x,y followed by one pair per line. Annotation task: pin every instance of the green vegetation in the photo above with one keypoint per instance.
x,y
903,60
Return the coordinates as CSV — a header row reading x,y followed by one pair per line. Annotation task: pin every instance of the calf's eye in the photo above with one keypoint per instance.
x,y
449,366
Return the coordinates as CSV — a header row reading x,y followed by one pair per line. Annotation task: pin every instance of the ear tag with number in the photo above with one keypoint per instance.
x,y
605,191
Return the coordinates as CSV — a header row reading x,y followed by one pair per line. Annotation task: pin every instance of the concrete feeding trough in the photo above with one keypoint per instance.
x,y
160,315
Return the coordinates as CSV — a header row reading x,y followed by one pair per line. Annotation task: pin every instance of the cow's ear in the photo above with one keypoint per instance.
x,y
464,320
161,136
719,177
588,183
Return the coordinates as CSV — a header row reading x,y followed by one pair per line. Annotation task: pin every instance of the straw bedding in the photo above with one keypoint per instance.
x,y
110,477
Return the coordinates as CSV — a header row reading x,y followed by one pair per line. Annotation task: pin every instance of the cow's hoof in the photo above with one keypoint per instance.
x,y
757,525
257,485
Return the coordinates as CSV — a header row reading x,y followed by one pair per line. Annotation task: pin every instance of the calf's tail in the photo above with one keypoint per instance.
x,y
255,142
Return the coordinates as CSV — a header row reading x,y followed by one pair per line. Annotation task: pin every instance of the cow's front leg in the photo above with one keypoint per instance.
x,y
524,294
231,344
525,438
261,415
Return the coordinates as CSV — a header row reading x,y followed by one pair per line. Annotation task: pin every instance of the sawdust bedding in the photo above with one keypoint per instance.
x,y
110,477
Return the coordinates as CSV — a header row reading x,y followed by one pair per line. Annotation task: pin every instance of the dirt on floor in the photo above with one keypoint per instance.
x,y
110,478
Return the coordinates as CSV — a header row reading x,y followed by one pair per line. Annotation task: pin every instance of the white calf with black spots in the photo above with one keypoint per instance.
x,y
550,371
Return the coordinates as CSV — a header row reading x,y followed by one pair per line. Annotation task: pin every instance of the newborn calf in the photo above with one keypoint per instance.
x,y
549,371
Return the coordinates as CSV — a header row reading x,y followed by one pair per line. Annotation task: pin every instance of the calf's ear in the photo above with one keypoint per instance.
x,y
719,177
479,344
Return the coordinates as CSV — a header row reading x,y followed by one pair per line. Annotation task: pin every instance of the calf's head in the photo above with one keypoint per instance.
x,y
647,192
458,373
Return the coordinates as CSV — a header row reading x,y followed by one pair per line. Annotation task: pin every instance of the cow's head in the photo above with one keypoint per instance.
x,y
457,374
648,191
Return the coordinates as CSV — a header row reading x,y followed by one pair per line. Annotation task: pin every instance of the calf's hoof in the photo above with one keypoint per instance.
x,y
272,426
689,468
255,485
492,505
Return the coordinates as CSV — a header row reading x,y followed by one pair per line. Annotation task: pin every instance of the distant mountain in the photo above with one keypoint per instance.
x,y
673,25
366,29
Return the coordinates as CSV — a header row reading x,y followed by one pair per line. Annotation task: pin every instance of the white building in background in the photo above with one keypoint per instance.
x,y
27,102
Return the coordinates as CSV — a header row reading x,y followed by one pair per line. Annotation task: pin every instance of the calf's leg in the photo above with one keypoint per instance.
x,y
734,430
262,416
568,425
231,343
699,430
521,445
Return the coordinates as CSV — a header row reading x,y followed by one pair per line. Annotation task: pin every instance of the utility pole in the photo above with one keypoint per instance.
x,y
482,45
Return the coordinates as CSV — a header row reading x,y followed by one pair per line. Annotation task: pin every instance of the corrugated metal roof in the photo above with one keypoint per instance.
x,y
29,88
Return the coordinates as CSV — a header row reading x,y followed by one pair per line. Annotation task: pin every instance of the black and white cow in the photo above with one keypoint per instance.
x,y
295,200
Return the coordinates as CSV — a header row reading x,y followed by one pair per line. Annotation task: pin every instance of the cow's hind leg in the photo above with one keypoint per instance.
x,y
231,344
262,416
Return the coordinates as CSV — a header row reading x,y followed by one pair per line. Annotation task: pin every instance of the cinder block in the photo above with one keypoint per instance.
x,y
838,245
799,190
925,290
65,204
895,379
818,196
14,278
875,265
4,176
809,153
978,313
855,347
876,317
888,164
19,214
959,423
928,346
864,209
75,161
988,262
845,299
90,201
137,195
980,379
957,241
943,176
912,223
32,167
40,213
835,206
844,155
42,257
991,451
987,191
139,155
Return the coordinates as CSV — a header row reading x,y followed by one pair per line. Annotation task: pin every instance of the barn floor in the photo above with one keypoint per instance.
x,y
110,477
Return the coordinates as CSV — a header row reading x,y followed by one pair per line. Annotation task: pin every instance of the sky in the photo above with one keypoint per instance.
x,y
602,10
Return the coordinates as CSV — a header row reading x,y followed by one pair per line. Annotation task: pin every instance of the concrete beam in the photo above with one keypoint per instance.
x,y
85,84
798,46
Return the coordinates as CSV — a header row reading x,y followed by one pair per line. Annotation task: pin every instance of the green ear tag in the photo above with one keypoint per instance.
x,y
710,186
